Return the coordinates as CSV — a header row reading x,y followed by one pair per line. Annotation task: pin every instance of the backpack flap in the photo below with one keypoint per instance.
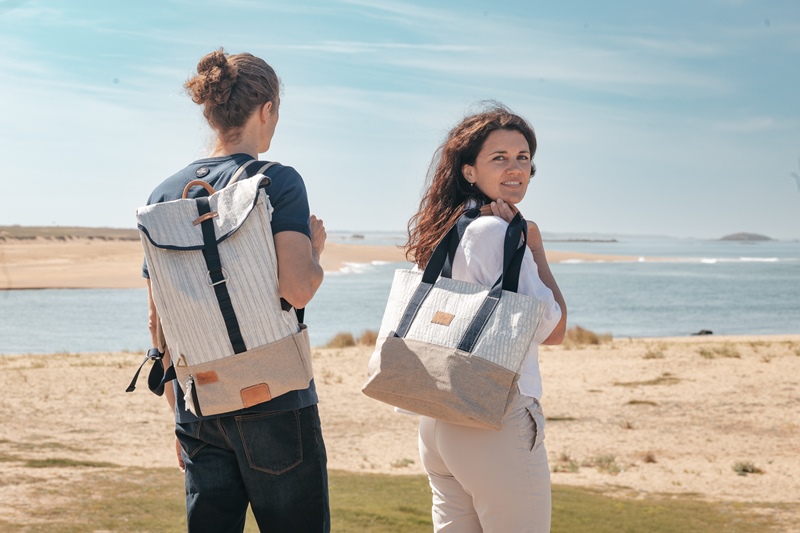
x,y
175,225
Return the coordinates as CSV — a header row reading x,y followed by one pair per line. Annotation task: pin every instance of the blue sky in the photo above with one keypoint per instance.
x,y
673,118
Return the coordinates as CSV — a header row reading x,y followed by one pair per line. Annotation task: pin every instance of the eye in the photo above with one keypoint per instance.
x,y
523,157
499,158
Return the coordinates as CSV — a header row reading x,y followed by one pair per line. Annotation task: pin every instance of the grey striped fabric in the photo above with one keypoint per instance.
x,y
185,301
504,341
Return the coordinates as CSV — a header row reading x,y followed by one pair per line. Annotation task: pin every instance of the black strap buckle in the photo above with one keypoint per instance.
x,y
157,377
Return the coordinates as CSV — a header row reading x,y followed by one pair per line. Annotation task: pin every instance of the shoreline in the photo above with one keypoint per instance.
x,y
106,263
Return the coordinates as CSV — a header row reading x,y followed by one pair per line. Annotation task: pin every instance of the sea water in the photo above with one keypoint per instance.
x,y
670,287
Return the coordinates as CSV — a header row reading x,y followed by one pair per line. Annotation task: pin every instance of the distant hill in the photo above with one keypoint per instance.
x,y
745,237
62,233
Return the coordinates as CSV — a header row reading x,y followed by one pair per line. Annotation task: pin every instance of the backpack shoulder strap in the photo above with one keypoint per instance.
x,y
251,169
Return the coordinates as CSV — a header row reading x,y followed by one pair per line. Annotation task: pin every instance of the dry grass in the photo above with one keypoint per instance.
x,y
746,467
341,340
664,379
344,339
725,351
368,337
604,463
577,337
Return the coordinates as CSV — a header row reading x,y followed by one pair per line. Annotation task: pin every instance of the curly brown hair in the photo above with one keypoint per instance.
x,y
230,88
448,191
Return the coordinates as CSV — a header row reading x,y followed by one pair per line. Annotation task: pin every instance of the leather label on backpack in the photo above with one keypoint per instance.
x,y
204,378
442,318
255,395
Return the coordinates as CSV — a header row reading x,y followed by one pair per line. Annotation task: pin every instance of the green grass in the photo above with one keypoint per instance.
x,y
139,499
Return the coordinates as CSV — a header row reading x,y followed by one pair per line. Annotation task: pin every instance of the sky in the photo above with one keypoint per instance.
x,y
676,118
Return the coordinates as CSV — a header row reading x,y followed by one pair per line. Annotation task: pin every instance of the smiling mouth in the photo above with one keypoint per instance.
x,y
511,183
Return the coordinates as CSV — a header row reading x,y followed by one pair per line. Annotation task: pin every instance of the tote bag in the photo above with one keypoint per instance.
x,y
451,349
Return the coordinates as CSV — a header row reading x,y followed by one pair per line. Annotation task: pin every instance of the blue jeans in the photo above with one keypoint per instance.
x,y
276,462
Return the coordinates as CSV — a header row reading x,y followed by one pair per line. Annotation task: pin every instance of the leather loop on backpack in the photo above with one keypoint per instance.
x,y
195,183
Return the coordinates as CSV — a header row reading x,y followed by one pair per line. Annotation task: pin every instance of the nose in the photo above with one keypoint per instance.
x,y
515,166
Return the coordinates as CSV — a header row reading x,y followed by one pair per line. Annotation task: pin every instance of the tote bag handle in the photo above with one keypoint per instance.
x,y
513,254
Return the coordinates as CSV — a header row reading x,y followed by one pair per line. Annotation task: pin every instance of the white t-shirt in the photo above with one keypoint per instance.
x,y
479,259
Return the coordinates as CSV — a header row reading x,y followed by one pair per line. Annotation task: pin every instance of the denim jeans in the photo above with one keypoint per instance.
x,y
275,461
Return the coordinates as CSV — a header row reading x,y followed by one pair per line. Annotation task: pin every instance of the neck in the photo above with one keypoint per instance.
x,y
247,142
222,149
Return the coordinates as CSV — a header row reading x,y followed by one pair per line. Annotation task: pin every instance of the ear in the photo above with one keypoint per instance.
x,y
468,171
266,111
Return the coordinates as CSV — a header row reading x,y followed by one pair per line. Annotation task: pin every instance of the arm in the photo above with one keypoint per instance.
x,y
299,271
506,212
537,248
157,338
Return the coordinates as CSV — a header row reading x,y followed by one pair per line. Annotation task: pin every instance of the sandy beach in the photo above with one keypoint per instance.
x,y
634,418
110,262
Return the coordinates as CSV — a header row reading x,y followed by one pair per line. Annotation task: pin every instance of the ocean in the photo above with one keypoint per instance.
x,y
671,287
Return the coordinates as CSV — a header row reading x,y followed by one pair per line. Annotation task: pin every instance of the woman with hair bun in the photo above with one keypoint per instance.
x,y
481,479
270,456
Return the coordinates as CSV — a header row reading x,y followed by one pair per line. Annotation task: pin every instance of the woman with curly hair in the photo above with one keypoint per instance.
x,y
481,479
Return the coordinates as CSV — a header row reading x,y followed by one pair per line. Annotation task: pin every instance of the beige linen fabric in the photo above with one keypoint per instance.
x,y
440,382
275,368
489,481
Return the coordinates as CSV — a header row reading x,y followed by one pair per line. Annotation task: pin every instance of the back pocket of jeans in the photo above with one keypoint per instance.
x,y
271,441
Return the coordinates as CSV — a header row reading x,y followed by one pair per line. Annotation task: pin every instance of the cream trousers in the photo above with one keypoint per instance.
x,y
485,480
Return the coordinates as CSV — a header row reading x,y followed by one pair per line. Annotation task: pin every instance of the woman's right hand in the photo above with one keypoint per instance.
x,y
503,210
318,235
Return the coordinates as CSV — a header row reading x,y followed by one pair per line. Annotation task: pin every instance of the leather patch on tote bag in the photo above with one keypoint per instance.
x,y
442,318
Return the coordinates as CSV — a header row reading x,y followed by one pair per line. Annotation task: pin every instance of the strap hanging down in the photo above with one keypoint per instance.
x,y
217,277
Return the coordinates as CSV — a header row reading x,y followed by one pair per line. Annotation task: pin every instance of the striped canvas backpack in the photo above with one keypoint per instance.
x,y
233,341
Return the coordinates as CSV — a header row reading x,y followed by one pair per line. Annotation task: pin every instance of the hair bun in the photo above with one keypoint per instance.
x,y
214,80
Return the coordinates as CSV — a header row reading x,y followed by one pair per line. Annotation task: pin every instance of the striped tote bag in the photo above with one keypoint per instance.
x,y
450,349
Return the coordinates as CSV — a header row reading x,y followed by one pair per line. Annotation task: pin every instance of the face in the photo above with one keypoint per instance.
x,y
503,166
269,114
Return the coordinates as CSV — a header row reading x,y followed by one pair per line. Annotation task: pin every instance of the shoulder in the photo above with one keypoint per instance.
x,y
286,184
488,230
216,171
285,176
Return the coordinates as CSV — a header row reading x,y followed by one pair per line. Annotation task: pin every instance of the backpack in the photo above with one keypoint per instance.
x,y
234,342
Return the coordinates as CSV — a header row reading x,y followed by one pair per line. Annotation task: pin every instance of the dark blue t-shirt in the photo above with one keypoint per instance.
x,y
287,195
